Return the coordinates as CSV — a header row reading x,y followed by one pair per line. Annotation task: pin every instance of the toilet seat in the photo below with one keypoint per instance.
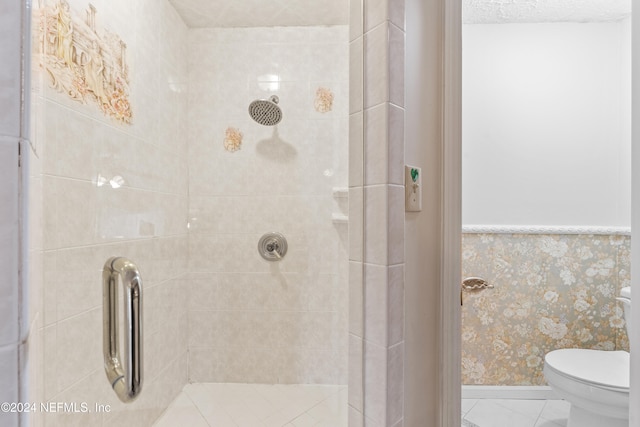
x,y
595,382
607,370
625,292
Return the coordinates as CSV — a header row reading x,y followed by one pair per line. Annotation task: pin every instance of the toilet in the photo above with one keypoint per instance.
x,y
594,382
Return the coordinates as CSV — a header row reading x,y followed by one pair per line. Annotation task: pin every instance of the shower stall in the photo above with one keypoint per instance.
x,y
209,146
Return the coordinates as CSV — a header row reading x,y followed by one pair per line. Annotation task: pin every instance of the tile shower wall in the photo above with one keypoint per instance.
x,y
108,187
551,291
14,326
377,257
251,320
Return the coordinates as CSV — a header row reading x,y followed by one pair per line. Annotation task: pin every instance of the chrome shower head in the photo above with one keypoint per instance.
x,y
266,111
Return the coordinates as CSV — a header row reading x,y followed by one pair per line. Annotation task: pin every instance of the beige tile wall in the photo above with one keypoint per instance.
x,y
385,408
14,138
86,220
251,320
376,367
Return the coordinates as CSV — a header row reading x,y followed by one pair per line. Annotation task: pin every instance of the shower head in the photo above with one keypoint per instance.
x,y
266,111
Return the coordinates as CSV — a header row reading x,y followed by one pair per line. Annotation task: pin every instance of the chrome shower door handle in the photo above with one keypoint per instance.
x,y
125,378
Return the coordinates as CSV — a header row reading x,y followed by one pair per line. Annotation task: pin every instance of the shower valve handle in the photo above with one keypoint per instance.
x,y
272,246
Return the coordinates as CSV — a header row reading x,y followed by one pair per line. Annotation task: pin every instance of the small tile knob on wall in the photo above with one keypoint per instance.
x,y
413,188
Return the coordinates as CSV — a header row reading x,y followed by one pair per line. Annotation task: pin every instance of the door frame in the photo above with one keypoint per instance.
x,y
451,225
634,339
450,311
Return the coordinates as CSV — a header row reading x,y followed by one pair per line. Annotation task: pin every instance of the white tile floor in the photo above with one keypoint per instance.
x,y
257,405
514,413
263,405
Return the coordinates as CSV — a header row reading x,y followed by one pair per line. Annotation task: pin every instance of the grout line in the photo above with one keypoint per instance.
x,y
546,402
472,406
197,408
467,423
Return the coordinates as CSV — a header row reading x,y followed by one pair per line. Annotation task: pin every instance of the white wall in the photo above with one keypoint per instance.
x,y
546,124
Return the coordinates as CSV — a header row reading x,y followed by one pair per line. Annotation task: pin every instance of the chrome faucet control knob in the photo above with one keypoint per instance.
x,y
272,246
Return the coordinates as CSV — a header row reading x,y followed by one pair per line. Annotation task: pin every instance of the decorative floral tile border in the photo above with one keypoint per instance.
x,y
84,62
232,139
323,102
550,292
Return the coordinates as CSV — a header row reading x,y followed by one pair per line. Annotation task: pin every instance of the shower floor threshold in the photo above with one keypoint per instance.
x,y
257,405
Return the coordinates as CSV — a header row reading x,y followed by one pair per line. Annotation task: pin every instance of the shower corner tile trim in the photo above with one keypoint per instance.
x,y
383,213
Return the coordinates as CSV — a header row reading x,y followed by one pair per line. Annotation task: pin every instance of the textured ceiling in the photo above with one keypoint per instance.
x,y
506,11
262,13
267,13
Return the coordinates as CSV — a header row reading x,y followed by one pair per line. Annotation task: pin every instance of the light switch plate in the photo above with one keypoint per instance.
x,y
413,188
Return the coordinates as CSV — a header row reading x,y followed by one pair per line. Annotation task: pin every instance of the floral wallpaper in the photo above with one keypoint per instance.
x,y
550,292
86,63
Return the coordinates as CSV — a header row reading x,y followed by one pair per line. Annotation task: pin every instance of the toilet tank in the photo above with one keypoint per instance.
x,y
625,299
